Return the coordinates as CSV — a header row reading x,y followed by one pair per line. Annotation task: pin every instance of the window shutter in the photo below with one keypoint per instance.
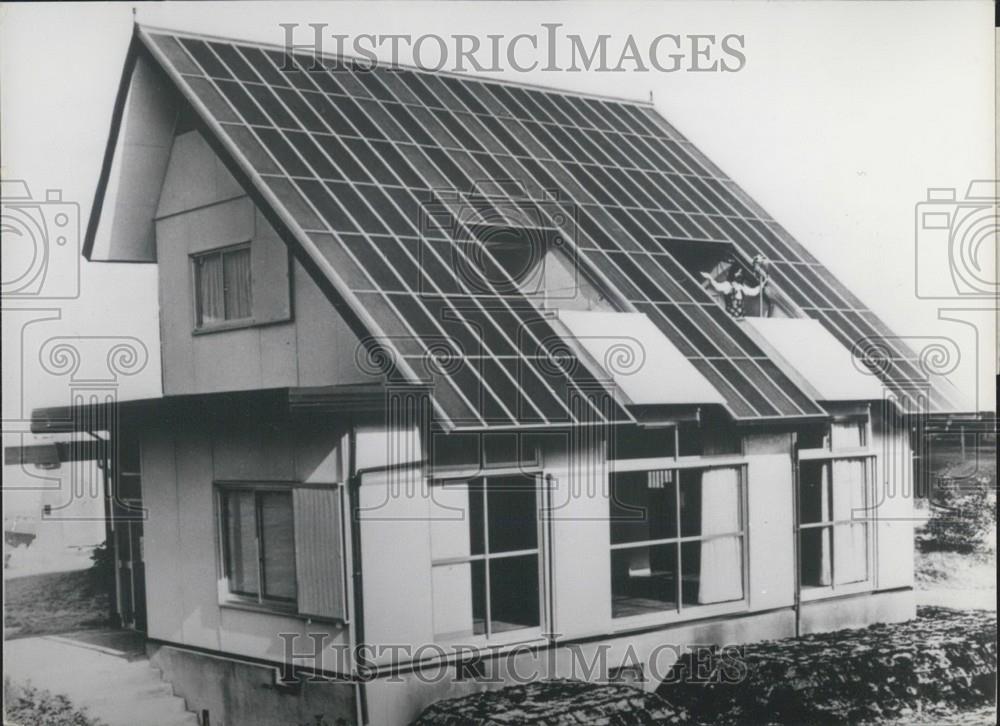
x,y
319,552
271,297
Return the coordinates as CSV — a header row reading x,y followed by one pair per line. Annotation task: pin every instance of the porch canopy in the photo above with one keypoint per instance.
x,y
104,417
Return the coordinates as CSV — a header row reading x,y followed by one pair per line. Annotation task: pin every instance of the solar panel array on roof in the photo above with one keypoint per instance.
x,y
385,171
409,255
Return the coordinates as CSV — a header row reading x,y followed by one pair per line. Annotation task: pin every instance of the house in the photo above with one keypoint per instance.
x,y
456,389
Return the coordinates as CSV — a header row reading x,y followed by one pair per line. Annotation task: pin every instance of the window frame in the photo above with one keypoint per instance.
x,y
200,327
227,595
677,460
443,470
453,477
863,420
678,464
828,455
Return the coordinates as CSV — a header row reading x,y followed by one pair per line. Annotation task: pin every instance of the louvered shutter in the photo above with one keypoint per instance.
x,y
319,552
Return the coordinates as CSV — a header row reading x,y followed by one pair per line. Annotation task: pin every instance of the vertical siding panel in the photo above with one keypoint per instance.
x,y
162,545
269,261
770,530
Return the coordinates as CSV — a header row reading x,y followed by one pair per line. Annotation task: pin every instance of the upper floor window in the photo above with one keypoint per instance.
x,y
536,263
223,286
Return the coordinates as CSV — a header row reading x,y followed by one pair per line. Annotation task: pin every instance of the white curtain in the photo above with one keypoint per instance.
x,y
241,533
236,278
210,296
721,571
825,560
849,489
452,587
850,543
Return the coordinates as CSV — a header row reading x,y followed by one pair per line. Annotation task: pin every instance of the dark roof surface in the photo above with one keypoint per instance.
x,y
390,176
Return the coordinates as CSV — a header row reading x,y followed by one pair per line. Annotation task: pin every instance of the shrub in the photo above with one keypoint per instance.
x,y
940,664
28,705
103,559
963,517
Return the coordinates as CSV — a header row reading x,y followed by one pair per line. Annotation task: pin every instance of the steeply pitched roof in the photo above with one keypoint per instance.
x,y
386,178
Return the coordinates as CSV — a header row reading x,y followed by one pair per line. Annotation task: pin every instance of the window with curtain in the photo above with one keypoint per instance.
x,y
484,546
259,543
223,286
833,526
677,539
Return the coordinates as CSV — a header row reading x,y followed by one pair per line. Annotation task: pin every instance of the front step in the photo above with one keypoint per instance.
x,y
189,718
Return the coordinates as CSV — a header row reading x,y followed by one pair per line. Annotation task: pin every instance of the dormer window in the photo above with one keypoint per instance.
x,y
223,286
743,288
739,289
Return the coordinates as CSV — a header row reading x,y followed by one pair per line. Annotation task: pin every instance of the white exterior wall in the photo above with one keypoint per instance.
x,y
203,208
581,557
770,521
395,539
396,551
181,460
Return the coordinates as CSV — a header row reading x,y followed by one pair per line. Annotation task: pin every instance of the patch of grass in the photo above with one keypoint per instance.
x,y
954,570
57,602
25,705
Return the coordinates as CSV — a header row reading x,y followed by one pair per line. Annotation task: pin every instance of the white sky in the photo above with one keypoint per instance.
x,y
844,114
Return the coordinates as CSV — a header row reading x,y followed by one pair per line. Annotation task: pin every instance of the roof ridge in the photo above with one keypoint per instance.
x,y
406,66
